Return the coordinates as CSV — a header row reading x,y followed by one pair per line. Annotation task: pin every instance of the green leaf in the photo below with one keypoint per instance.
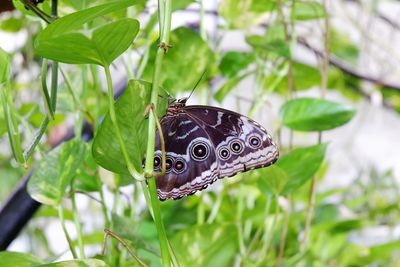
x,y
233,61
272,179
184,63
76,263
76,20
245,13
129,110
71,48
312,114
12,24
113,39
54,172
207,245
300,165
64,40
13,259
307,10
342,47
273,41
4,66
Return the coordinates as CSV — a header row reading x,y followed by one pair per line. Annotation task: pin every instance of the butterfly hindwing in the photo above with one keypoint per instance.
x,y
241,144
205,143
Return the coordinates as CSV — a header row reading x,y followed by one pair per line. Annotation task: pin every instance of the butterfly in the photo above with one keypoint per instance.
x,y
205,143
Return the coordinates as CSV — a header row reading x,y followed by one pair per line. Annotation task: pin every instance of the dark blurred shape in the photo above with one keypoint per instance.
x,y
6,5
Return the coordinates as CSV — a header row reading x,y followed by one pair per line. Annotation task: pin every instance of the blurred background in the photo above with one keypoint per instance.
x,y
258,55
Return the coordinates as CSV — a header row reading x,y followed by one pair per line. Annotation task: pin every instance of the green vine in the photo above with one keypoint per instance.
x,y
165,11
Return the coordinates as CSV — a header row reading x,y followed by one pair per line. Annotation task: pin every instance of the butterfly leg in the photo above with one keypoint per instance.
x,y
151,108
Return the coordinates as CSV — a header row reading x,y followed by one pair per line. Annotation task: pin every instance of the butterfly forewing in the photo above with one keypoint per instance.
x,y
208,143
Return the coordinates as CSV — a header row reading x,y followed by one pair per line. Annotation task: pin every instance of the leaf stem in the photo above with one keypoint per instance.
x,y
45,91
69,240
135,174
77,224
38,11
108,232
54,80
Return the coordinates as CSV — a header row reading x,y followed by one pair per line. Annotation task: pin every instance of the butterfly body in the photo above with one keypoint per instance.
x,y
205,143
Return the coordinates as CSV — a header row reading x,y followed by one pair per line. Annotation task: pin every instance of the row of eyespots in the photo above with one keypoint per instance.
x,y
178,165
236,147
199,151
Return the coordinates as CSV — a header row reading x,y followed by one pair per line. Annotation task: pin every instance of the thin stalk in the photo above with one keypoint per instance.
x,y
38,11
145,59
54,79
114,121
215,209
108,232
239,218
77,225
165,12
268,232
324,82
310,212
45,91
31,148
104,207
10,117
53,98
285,229
69,240
201,212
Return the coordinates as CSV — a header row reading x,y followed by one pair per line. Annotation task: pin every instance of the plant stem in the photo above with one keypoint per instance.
x,y
103,205
53,98
164,9
108,232
69,240
77,224
134,173
38,11
284,233
45,91
54,79
324,82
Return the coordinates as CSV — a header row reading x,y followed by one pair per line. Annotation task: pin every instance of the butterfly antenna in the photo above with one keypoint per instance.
x,y
202,75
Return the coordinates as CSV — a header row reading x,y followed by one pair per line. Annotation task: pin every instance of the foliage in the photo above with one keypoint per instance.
x,y
273,216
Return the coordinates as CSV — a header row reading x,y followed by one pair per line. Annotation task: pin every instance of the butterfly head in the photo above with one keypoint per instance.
x,y
176,106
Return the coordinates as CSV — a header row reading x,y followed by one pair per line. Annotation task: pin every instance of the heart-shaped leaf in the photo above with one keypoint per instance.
x,y
312,114
129,109
64,40
54,172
